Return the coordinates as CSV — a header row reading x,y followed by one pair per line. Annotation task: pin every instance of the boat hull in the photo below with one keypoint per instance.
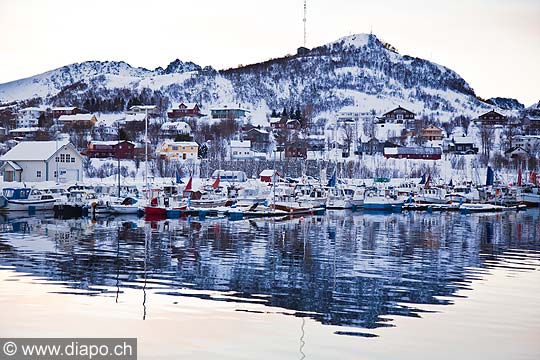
x,y
28,205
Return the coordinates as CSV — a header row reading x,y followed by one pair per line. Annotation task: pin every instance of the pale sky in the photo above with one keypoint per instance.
x,y
493,44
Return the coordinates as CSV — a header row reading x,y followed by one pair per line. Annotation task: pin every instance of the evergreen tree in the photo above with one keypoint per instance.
x,y
284,113
274,114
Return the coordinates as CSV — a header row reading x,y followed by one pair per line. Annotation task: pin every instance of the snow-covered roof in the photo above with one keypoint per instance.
x,y
28,109
109,143
77,117
262,131
25,129
241,144
463,140
143,107
267,172
181,143
14,165
189,105
33,150
64,108
176,125
226,107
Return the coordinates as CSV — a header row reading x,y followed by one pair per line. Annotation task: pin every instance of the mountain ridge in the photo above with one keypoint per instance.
x,y
358,70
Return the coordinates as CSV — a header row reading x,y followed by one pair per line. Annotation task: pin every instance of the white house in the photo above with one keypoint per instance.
x,y
35,161
241,150
527,142
26,122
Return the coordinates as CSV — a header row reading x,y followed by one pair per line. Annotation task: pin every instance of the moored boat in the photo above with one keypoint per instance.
x,y
25,199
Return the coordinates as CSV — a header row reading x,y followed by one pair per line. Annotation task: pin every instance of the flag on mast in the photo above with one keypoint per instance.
x,y
188,186
215,185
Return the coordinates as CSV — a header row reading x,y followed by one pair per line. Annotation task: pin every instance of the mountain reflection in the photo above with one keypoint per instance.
x,y
350,269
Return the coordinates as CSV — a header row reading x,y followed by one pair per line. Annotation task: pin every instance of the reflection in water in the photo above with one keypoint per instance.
x,y
347,269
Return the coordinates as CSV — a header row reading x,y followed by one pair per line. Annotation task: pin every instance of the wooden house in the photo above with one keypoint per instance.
x,y
185,110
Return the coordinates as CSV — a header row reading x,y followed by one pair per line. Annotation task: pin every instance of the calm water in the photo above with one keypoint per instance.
x,y
343,285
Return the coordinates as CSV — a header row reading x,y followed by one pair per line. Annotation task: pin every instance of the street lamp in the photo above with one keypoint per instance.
x,y
145,108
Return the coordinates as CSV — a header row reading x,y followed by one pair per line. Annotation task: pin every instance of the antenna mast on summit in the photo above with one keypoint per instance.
x,y
305,12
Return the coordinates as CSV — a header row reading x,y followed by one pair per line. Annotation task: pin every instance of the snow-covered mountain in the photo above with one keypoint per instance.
x,y
356,70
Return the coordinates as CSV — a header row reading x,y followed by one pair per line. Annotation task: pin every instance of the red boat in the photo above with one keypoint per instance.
x,y
157,210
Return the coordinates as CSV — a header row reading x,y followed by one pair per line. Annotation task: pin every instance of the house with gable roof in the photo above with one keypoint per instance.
x,y
34,161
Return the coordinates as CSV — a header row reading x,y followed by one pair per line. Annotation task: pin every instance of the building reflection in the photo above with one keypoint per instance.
x,y
349,269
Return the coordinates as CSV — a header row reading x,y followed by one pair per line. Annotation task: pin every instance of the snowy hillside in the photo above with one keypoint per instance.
x,y
356,70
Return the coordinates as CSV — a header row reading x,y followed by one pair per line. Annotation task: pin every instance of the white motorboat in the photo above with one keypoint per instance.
x,y
25,199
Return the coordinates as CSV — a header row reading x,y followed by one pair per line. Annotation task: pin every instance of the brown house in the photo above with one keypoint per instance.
x,y
110,149
78,120
295,150
432,133
492,118
398,116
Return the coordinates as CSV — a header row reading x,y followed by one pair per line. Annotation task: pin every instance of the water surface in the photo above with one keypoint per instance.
x,y
340,285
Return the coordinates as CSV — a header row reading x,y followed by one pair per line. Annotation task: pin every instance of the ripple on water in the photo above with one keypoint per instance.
x,y
345,269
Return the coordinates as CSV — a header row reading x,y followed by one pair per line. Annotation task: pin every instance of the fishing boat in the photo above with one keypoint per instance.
x,y
431,195
127,206
77,204
338,199
382,200
529,195
161,206
25,199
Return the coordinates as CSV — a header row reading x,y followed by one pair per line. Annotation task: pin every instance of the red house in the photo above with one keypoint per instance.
x,y
110,149
269,175
185,110
295,150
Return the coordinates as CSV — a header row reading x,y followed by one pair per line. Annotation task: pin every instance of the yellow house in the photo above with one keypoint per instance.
x,y
432,133
178,150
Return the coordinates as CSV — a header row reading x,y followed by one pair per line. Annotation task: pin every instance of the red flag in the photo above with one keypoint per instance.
x,y
188,186
215,185
519,177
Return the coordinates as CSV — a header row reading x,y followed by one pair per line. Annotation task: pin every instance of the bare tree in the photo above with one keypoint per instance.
x,y
369,128
487,135
348,138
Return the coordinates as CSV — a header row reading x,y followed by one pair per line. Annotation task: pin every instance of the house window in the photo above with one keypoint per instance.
x,y
55,174
175,148
62,158
56,159
38,174
68,158
72,159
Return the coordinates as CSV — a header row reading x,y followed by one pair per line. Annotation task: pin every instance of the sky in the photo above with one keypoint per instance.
x,y
493,44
